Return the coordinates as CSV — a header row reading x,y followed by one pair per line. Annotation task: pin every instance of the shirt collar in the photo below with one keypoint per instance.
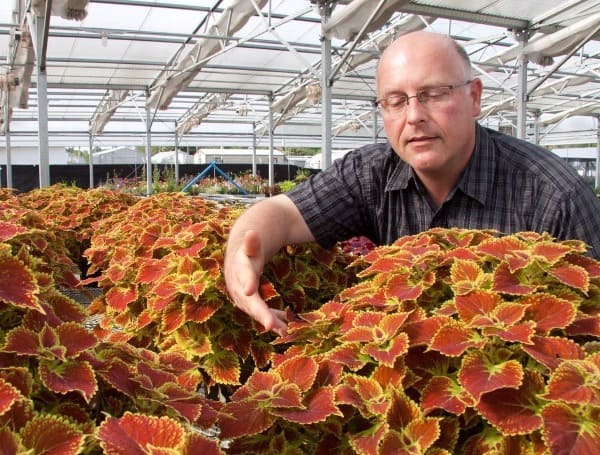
x,y
476,179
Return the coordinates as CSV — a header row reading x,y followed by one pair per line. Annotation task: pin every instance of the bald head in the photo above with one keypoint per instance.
x,y
416,46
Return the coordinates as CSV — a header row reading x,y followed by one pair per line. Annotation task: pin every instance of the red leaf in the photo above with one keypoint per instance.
x,y
51,435
368,441
23,341
19,287
551,252
318,406
454,339
136,434
401,288
8,395
465,276
388,352
152,270
118,297
300,371
575,381
244,418
585,325
549,312
508,283
443,393
476,303
479,375
550,351
571,275
513,411
68,377
75,338
421,332
197,444
348,355
569,429
519,333
9,230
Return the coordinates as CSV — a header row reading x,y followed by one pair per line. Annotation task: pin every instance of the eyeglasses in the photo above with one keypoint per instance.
x,y
432,97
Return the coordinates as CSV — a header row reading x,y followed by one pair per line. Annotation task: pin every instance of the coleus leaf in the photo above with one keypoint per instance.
x,y
421,332
188,404
8,395
476,303
244,418
387,353
318,406
584,325
223,367
137,434
151,270
75,338
576,381
507,282
443,393
9,230
550,351
514,411
19,286
417,437
571,275
368,441
300,371
197,444
571,429
465,276
64,377
23,341
119,297
405,287
549,311
454,339
348,354
479,374
518,333
10,443
50,434
365,394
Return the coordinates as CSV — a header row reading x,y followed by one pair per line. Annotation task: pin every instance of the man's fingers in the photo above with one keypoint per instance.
x,y
251,244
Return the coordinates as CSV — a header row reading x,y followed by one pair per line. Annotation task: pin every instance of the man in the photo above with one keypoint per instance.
x,y
439,168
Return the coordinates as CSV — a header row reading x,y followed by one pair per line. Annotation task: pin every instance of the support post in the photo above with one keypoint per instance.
x,y
325,10
176,156
91,160
148,148
271,140
9,179
42,94
522,86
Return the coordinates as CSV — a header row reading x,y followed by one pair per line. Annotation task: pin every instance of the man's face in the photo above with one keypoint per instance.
x,y
436,136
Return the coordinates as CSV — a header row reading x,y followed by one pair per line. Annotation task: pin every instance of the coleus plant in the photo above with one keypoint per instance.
x,y
160,262
58,381
454,341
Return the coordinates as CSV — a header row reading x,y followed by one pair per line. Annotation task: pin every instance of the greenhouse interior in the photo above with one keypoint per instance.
x,y
146,150
275,75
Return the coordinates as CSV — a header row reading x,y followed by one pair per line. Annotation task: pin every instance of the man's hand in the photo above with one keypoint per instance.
x,y
243,268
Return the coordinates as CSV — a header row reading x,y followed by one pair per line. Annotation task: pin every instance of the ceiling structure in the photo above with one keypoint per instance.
x,y
226,72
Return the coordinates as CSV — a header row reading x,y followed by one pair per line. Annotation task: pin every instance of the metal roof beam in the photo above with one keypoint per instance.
x,y
463,15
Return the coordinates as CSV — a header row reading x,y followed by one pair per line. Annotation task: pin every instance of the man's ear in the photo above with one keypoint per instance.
x,y
476,92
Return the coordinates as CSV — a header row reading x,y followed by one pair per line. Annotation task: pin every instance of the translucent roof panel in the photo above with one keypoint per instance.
x,y
210,68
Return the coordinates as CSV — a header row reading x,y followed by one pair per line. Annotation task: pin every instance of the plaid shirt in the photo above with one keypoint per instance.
x,y
509,185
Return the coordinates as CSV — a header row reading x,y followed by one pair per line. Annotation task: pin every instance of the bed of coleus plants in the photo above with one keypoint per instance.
x,y
451,341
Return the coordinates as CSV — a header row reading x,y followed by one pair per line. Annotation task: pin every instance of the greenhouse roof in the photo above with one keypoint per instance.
x,y
214,70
